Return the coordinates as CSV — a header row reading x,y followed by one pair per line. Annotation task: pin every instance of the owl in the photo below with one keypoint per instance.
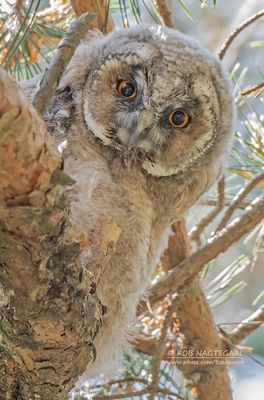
x,y
147,114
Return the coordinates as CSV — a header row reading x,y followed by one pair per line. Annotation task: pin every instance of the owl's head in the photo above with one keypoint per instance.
x,y
148,91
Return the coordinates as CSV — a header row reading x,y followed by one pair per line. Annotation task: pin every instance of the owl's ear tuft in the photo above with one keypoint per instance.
x,y
60,113
65,93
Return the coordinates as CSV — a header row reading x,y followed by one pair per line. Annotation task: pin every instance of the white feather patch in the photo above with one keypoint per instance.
x,y
97,128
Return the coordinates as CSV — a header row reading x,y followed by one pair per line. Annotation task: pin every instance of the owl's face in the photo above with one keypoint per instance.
x,y
153,92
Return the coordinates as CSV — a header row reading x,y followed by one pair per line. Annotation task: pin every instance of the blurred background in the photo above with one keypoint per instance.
x,y
29,33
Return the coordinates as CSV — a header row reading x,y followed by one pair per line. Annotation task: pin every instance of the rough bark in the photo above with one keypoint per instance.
x,y
196,328
49,310
199,333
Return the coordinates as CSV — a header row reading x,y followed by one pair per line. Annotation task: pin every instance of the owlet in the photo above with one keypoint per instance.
x,y
147,113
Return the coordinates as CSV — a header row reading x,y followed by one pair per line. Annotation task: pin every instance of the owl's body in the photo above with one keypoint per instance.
x,y
147,114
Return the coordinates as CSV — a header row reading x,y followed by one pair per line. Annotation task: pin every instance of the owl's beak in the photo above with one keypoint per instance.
x,y
134,139
145,120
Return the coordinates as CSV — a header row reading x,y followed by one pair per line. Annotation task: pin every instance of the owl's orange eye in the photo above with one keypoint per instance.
x,y
126,89
179,119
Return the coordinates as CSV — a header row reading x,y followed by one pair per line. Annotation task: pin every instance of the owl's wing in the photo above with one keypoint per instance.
x,y
63,109
60,112
31,86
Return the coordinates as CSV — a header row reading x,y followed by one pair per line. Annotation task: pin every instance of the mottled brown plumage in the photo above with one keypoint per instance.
x,y
128,160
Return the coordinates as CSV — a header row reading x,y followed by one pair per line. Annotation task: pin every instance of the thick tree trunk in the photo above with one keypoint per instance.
x,y
49,310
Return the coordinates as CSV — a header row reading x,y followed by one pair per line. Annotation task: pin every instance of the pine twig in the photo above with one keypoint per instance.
x,y
257,250
212,203
137,393
179,246
191,266
252,89
128,379
18,6
65,51
247,326
236,32
197,230
146,344
165,13
243,192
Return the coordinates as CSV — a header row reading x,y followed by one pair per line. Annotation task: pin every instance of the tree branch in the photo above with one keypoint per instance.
x,y
59,62
247,326
146,344
190,267
252,89
197,230
160,349
26,163
125,394
236,32
137,394
243,192
179,246
165,13
192,328
212,203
